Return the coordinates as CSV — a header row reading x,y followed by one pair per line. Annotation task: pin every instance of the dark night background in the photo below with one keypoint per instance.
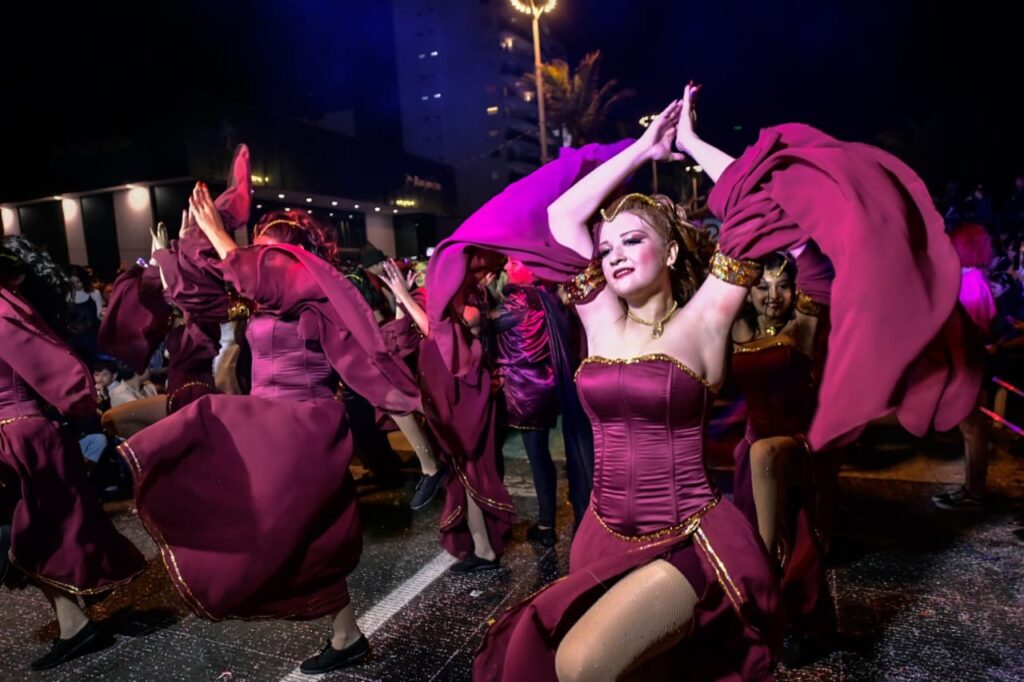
x,y
940,86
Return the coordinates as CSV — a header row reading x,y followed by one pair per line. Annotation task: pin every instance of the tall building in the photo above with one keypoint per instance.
x,y
462,104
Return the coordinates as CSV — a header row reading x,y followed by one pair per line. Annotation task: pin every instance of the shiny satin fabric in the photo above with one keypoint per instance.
x,y
652,499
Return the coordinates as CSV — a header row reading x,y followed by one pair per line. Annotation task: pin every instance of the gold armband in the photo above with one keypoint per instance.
x,y
239,308
583,287
743,273
806,305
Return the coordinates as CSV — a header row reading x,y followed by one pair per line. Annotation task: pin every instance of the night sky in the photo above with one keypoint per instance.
x,y
944,86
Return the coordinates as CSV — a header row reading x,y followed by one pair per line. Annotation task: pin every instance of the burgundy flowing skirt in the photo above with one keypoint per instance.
x,y
252,505
737,623
803,535
462,414
60,533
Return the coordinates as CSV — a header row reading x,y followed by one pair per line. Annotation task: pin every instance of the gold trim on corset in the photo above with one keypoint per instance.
x,y
686,527
179,389
650,357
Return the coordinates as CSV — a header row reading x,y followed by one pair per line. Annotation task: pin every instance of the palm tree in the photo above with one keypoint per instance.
x,y
577,103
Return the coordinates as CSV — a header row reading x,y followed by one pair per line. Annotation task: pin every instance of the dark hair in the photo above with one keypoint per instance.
x,y
104,365
781,263
45,286
299,229
690,268
83,275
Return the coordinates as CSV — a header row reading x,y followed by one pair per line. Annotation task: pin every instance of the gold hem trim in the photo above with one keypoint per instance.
x,y
650,357
501,506
191,384
686,527
71,589
171,563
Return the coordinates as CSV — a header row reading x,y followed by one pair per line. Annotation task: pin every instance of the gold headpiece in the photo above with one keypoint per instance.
x,y
673,218
280,221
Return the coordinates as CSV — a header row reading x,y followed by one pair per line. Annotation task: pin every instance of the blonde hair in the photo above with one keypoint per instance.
x,y
669,220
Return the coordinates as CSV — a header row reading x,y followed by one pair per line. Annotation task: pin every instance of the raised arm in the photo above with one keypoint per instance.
x,y
209,220
399,286
711,159
570,214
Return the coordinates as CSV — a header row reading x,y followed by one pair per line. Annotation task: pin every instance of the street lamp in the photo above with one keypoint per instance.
x,y
535,8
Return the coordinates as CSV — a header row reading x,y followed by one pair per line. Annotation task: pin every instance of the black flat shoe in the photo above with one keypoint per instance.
x,y
330,658
89,639
426,489
544,536
474,564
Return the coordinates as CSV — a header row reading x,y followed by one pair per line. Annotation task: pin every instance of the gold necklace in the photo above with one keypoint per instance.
x,y
659,325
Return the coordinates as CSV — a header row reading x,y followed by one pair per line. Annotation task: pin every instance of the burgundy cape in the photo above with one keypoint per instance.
x,y
896,341
137,318
60,533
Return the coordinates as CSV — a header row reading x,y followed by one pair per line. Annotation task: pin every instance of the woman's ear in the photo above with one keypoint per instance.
x,y
673,253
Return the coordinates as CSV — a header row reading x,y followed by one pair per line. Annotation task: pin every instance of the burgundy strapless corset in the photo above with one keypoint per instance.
x,y
16,397
777,382
649,416
286,366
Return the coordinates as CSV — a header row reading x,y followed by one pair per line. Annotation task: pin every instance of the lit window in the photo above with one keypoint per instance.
x,y
492,111
425,98
423,55
507,43
437,95
434,53
528,96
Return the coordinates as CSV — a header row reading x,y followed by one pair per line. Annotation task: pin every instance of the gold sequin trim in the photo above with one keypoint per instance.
x,y
451,518
651,357
11,420
742,273
686,527
806,305
721,572
581,287
191,384
171,563
779,341
495,504
239,307
71,589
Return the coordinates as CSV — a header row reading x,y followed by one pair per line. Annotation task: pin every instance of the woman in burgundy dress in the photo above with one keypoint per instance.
x,y
461,411
60,538
777,482
663,571
250,497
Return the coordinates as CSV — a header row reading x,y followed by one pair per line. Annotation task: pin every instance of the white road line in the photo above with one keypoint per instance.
x,y
381,613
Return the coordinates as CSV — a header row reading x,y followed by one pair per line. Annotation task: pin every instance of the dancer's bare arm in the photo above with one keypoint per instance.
x,y
208,218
